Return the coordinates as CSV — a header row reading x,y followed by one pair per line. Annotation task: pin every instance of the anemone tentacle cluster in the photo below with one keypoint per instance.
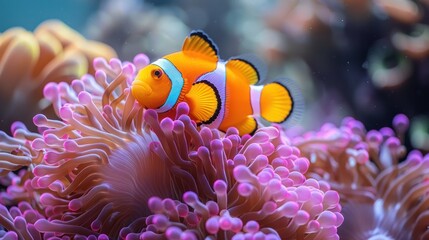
x,y
110,169
383,191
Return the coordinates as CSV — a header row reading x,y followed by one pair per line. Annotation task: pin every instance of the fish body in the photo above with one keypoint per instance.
x,y
220,94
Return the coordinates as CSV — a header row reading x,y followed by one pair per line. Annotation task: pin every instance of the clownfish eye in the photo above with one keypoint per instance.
x,y
156,73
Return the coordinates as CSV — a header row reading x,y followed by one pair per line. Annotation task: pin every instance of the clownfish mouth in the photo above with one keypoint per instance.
x,y
140,88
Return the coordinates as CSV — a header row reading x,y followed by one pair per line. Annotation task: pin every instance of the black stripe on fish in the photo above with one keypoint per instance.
x,y
256,127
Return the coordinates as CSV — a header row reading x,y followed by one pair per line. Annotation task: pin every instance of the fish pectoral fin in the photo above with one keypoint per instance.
x,y
248,126
244,68
200,45
204,102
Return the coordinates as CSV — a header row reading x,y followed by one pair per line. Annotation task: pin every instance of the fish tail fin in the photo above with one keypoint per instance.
x,y
281,101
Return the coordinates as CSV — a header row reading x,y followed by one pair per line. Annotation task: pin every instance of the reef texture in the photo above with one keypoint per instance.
x,y
109,169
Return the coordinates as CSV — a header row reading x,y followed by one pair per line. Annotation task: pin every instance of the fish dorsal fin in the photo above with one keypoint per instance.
x,y
204,102
199,44
245,68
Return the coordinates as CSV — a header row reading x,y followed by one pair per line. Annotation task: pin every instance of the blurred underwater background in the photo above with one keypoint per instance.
x,y
357,161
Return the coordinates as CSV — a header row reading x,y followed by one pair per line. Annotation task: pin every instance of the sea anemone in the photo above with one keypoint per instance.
x,y
28,61
110,169
17,159
382,198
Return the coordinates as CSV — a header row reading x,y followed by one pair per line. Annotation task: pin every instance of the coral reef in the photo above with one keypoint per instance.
x,y
88,162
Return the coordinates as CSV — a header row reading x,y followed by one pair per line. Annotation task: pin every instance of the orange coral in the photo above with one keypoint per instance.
x,y
52,53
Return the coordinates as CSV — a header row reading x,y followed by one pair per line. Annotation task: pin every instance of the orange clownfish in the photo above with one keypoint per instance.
x,y
220,94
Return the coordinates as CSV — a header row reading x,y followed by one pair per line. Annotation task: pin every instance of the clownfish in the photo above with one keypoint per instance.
x,y
220,94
